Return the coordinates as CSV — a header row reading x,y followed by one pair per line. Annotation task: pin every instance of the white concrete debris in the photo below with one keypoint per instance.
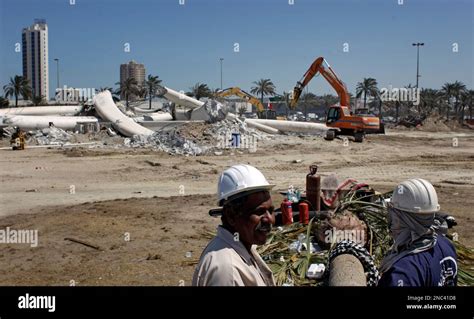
x,y
51,136
259,126
107,109
43,110
211,111
33,122
169,142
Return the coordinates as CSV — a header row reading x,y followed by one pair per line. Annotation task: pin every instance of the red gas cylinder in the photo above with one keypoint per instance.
x,y
286,212
304,213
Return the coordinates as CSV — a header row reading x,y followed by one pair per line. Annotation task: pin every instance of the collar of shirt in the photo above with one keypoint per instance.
x,y
237,245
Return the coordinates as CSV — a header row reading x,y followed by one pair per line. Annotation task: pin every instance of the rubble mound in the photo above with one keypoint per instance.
x,y
434,123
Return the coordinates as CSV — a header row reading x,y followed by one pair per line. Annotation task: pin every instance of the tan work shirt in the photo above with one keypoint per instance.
x,y
226,262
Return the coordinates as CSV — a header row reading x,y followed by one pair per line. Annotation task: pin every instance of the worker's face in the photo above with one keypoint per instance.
x,y
393,223
256,220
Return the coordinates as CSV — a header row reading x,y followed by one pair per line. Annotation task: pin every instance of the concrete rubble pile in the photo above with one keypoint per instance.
x,y
169,142
51,136
235,125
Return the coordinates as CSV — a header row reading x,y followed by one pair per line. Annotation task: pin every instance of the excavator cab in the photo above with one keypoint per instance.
x,y
334,114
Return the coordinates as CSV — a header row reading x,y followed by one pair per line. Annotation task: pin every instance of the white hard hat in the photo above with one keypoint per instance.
x,y
416,196
239,179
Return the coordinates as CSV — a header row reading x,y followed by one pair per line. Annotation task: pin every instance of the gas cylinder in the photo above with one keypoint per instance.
x,y
286,212
313,188
304,213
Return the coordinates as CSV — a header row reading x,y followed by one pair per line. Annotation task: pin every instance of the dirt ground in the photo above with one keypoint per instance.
x,y
146,212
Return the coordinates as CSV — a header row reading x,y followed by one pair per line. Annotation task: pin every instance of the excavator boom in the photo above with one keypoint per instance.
x,y
330,76
339,119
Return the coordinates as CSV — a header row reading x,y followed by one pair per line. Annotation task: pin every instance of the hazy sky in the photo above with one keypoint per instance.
x,y
182,44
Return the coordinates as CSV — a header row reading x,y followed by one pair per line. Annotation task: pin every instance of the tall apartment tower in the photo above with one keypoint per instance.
x,y
132,69
35,57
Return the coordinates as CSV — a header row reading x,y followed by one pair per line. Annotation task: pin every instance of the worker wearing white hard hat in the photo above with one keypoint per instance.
x,y
421,255
231,258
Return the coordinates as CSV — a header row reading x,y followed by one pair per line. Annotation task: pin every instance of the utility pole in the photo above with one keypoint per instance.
x,y
418,44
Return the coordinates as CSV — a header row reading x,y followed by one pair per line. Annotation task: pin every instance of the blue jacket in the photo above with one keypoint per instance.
x,y
434,267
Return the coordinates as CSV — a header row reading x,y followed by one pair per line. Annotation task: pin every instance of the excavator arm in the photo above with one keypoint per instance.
x,y
248,97
330,76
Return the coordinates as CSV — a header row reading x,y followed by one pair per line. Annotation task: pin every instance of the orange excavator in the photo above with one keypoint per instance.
x,y
339,119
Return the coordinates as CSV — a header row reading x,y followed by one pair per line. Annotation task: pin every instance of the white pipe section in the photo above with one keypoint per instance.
x,y
34,122
157,117
182,99
106,108
263,128
289,126
43,110
259,126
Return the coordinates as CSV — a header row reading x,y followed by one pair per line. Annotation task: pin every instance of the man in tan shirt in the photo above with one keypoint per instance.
x,y
231,259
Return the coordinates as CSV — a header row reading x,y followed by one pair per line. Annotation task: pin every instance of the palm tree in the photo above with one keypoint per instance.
x,y
38,100
242,110
200,90
142,92
466,100
4,102
18,86
429,100
152,84
368,86
458,90
447,91
127,89
263,87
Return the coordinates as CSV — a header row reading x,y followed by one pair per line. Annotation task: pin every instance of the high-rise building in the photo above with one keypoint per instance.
x,y
35,57
132,70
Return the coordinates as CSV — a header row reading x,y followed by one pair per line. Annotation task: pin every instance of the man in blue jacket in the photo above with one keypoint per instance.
x,y
421,255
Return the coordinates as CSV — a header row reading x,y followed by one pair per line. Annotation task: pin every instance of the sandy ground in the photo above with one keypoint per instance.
x,y
147,212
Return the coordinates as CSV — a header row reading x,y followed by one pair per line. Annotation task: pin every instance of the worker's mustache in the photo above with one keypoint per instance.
x,y
265,227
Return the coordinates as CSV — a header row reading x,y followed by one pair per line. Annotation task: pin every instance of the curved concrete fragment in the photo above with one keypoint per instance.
x,y
33,122
43,110
182,99
106,108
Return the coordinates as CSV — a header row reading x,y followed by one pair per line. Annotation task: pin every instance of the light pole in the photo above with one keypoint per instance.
x,y
221,59
418,44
